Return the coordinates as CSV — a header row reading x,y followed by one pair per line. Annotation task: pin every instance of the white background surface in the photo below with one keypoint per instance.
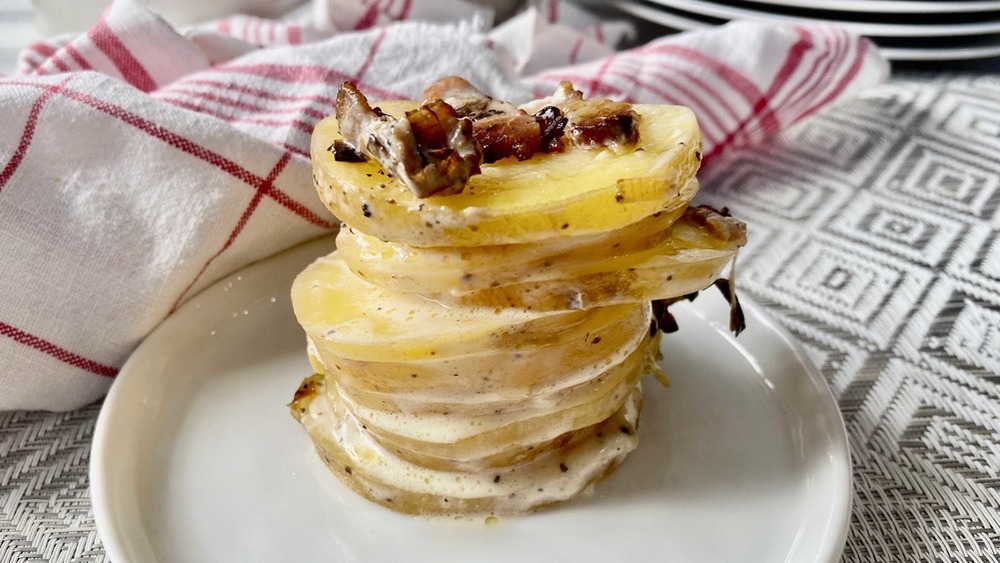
x,y
17,29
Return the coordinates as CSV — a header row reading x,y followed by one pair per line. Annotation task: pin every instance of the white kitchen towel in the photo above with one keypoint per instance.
x,y
139,164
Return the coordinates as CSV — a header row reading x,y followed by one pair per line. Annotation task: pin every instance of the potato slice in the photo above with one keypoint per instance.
x,y
654,259
496,376
576,192
561,472
457,441
462,269
346,316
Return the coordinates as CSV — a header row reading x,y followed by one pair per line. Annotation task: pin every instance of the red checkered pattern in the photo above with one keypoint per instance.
x,y
139,165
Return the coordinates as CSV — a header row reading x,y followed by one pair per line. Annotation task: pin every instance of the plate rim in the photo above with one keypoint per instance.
x,y
835,419
889,7
712,9
683,23
119,547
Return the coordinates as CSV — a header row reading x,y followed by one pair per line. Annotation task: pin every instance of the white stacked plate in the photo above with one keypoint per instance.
x,y
904,29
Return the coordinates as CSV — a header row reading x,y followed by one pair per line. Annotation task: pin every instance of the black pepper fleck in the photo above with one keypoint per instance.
x,y
496,478
596,340
563,468
625,430
347,470
365,211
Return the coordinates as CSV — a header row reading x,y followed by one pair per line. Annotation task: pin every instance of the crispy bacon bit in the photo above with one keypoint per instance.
x,y
502,136
592,122
663,320
449,154
342,152
719,223
437,147
553,125
467,100
500,127
431,149
737,320
727,229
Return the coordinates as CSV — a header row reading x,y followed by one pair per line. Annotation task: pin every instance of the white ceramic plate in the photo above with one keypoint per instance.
x,y
196,458
662,16
939,49
890,6
728,12
957,51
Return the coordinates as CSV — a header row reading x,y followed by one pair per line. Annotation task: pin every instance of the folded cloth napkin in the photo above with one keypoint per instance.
x,y
139,164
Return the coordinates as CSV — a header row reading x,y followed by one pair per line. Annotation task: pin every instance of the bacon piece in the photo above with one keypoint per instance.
x,y
552,124
467,100
503,135
593,122
719,223
449,154
500,127
431,149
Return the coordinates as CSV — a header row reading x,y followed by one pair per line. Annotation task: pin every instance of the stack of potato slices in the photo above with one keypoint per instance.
x,y
480,352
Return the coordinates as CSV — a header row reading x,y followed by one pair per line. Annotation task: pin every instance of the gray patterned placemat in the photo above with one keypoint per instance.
x,y
45,512
875,238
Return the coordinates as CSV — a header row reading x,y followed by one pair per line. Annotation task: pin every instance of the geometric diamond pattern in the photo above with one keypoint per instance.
x,y
987,262
849,289
977,260
943,177
760,188
965,333
875,239
897,228
969,113
851,148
